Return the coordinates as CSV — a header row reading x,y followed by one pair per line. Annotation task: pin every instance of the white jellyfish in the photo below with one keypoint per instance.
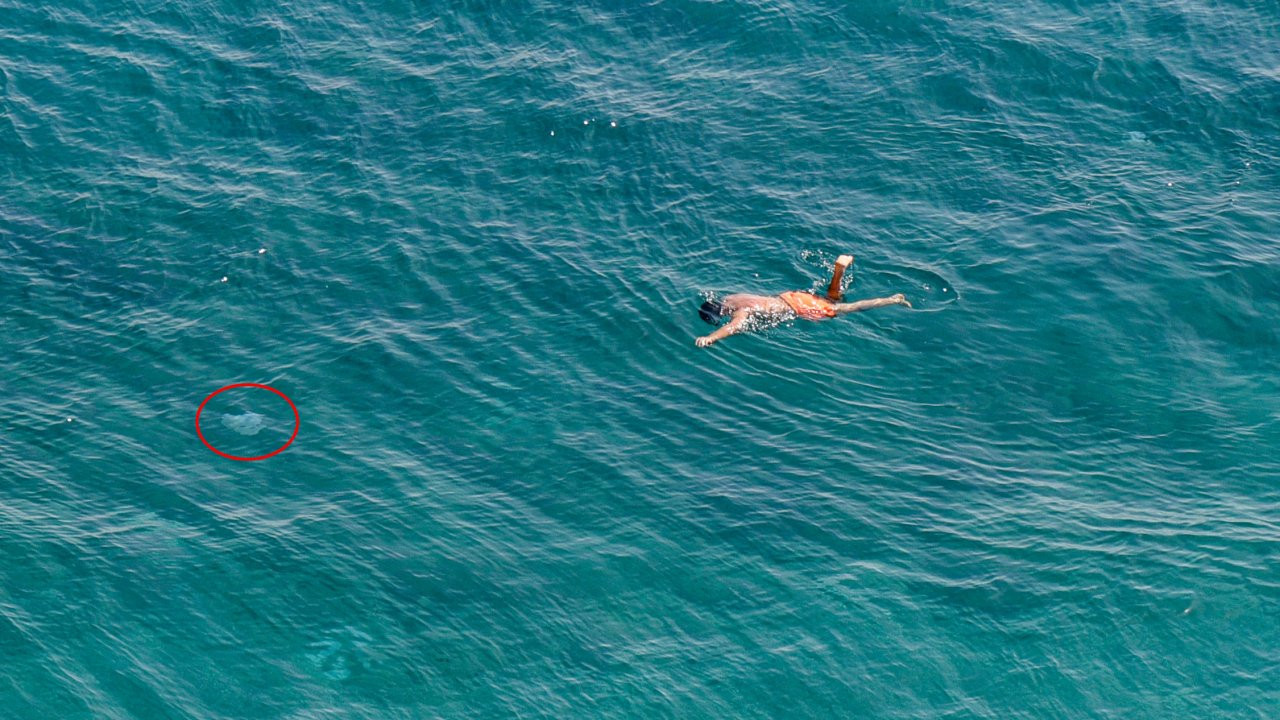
x,y
246,423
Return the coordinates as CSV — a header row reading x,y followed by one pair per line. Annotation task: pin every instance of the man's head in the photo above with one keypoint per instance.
x,y
711,312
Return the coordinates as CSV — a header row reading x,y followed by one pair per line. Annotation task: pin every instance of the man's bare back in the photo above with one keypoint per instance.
x,y
746,311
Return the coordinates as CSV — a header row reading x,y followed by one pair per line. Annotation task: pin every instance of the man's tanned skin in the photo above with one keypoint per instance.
x,y
744,308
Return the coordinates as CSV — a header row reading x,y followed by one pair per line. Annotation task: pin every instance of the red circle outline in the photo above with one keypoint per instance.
x,y
297,422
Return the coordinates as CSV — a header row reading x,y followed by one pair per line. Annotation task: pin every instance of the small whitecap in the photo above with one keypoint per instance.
x,y
613,123
553,133
224,279
261,250
586,122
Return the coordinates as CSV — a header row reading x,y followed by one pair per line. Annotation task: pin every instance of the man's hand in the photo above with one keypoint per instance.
x,y
844,261
901,299
736,325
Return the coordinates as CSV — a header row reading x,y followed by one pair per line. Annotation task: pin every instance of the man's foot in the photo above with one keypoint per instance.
x,y
844,261
900,299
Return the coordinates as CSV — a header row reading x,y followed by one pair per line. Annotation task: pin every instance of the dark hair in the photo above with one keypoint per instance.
x,y
711,312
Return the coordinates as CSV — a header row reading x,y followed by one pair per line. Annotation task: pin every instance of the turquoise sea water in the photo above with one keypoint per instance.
x,y
468,240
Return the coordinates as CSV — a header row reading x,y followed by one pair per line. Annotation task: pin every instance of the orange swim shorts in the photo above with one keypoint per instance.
x,y
809,306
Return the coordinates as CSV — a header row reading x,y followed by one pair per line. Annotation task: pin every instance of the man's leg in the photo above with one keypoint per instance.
x,y
837,274
859,306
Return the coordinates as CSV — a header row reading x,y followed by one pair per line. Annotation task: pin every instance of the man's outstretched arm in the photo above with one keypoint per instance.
x,y
735,325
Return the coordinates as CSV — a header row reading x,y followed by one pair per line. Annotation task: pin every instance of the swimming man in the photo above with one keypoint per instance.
x,y
746,310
